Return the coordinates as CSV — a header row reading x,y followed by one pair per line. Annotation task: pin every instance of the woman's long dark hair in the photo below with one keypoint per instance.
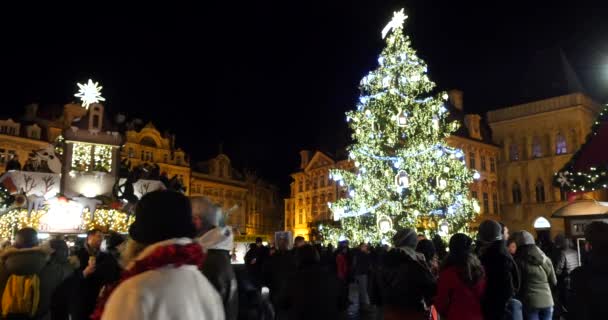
x,y
460,256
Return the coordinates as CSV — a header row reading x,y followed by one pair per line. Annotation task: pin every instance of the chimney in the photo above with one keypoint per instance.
x,y
455,97
31,110
305,158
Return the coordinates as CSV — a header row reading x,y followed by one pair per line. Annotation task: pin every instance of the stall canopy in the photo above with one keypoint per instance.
x,y
587,170
582,208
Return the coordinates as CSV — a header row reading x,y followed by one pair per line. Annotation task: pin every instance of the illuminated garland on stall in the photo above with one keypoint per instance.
x,y
16,219
107,220
590,179
405,174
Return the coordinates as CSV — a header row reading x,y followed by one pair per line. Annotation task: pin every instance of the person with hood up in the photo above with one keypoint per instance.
x,y
461,282
217,241
27,263
405,285
590,282
537,278
502,275
565,260
162,279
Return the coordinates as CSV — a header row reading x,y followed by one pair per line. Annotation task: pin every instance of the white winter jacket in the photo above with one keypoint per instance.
x,y
165,294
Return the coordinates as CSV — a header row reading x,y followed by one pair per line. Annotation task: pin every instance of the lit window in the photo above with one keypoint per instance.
x,y
536,148
472,160
516,191
513,152
560,144
540,191
486,203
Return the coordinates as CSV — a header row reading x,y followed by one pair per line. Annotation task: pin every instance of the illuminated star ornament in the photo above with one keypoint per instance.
x,y
89,93
397,21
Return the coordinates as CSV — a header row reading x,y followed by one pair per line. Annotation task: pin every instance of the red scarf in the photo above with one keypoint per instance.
x,y
175,255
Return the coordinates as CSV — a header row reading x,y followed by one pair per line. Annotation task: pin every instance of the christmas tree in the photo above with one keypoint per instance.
x,y
406,175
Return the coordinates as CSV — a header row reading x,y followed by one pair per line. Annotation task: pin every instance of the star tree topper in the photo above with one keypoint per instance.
x,y
89,93
397,21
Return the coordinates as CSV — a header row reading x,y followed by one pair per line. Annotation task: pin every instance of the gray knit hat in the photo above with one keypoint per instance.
x,y
489,231
523,238
405,238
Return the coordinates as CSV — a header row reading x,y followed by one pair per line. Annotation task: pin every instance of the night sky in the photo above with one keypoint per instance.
x,y
269,78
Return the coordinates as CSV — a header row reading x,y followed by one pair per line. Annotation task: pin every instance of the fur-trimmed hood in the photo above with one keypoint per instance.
x,y
25,261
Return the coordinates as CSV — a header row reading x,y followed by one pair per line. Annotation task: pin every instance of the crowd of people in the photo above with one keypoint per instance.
x,y
176,264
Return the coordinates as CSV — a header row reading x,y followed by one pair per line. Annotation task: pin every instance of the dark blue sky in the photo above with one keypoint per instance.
x,y
268,78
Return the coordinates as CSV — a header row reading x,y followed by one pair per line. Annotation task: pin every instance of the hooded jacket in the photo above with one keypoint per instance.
x,y
217,243
33,261
537,276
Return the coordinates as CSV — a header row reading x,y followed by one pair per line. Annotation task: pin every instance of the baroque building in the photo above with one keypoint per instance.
x,y
148,145
537,139
252,205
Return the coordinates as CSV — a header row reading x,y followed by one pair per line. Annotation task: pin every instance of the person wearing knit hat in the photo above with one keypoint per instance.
x,y
162,278
405,283
489,231
501,272
537,274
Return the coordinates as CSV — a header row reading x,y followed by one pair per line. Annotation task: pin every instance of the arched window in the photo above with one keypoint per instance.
x,y
540,191
537,150
513,152
560,144
542,223
516,191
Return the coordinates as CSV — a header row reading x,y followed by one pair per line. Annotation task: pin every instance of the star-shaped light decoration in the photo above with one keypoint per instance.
x,y
89,93
397,21
563,180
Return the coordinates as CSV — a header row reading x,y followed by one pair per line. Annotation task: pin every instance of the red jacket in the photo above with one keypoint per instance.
x,y
455,300
342,266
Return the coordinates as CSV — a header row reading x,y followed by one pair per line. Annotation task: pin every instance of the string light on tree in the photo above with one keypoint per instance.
x,y
405,171
89,93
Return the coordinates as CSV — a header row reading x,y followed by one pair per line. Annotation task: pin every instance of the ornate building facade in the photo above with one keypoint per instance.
x,y
536,140
19,138
312,189
251,203
148,145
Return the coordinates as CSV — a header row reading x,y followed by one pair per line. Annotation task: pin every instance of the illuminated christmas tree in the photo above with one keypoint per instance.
x,y
406,175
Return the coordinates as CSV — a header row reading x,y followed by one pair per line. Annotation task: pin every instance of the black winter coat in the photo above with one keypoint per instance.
x,y
218,270
404,283
312,293
590,290
86,291
502,280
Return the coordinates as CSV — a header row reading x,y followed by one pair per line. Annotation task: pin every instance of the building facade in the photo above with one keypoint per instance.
x,y
312,189
536,140
481,154
148,145
251,204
